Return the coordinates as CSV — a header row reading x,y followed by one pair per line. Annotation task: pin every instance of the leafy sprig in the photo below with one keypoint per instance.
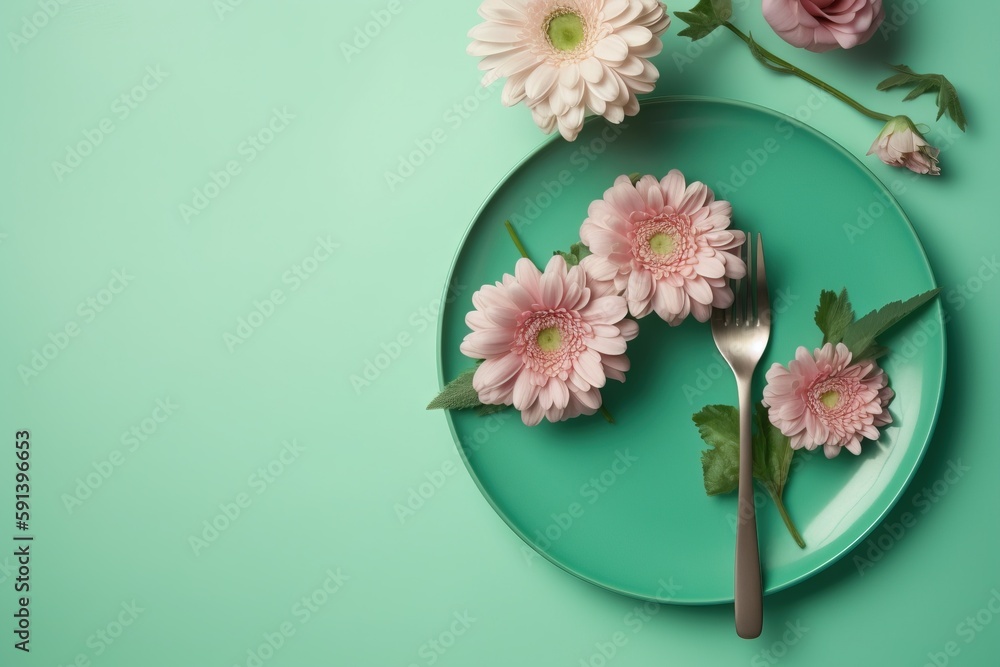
x,y
922,84
705,17
719,426
577,251
459,394
835,318
833,315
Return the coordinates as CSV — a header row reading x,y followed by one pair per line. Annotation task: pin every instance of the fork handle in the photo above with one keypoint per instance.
x,y
748,593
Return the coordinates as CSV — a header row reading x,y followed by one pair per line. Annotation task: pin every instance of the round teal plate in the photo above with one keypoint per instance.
x,y
623,505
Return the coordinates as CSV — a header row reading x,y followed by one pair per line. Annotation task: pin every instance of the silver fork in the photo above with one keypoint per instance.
x,y
741,333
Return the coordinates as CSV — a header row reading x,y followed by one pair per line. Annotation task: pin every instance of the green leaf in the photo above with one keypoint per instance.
x,y
577,251
947,96
905,76
723,9
833,315
772,453
774,450
705,17
860,336
719,426
458,394
571,259
580,250
924,86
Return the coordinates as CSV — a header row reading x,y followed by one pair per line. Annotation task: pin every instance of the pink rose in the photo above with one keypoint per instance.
x,y
821,25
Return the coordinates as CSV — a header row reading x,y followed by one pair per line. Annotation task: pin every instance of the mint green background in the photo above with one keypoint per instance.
x,y
334,506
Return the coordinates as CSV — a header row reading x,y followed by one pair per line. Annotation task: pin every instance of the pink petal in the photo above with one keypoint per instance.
x,y
711,267
673,186
604,345
591,399
629,329
598,267
498,370
588,365
552,282
699,290
640,285
532,415
487,343
525,391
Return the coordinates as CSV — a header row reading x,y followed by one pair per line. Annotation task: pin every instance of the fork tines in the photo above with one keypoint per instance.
x,y
751,304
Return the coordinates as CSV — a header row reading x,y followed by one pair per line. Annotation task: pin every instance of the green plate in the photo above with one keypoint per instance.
x,y
622,505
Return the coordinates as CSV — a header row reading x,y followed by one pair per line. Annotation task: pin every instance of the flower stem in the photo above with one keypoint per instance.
x,y
515,239
792,69
607,415
787,519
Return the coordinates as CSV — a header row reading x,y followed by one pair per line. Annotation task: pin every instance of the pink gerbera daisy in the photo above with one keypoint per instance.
x,y
664,246
824,399
548,342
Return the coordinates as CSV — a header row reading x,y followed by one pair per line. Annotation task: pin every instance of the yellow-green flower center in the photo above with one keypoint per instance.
x,y
661,243
830,399
550,339
566,31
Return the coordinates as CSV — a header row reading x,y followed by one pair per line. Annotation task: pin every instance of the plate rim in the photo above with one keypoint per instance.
x,y
936,306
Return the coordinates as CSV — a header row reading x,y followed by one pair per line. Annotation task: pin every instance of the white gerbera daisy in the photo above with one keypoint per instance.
x,y
566,56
